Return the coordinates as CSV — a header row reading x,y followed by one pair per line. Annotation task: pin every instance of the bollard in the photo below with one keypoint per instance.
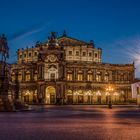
x,y
110,105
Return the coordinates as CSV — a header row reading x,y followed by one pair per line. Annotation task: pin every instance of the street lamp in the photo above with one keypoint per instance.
x,y
110,89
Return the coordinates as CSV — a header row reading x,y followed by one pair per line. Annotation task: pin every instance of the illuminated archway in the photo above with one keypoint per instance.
x,y
50,95
27,96
69,96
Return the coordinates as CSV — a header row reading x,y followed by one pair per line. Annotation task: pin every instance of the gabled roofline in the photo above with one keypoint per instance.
x,y
84,42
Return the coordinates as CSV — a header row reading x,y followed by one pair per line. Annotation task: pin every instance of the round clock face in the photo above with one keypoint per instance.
x,y
52,58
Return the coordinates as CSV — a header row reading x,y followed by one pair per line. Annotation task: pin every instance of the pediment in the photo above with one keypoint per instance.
x,y
67,41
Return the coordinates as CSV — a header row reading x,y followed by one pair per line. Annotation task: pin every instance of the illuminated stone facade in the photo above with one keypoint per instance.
x,y
70,71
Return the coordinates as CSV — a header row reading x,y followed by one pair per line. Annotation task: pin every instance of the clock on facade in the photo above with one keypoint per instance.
x,y
52,58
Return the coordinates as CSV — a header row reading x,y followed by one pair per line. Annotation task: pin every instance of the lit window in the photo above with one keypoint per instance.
x,y
28,77
13,77
80,76
69,76
106,78
19,76
89,76
98,77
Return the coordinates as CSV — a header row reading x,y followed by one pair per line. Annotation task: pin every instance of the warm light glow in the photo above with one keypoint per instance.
x,y
69,76
98,93
76,93
88,93
109,88
116,93
107,93
80,76
28,76
89,77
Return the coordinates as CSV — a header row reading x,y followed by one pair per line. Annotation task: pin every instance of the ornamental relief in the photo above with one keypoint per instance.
x,y
51,58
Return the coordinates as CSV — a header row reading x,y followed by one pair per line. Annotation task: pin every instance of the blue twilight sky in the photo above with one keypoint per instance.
x,y
114,25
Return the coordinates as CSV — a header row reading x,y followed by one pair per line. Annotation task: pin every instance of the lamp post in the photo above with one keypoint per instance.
x,y
110,89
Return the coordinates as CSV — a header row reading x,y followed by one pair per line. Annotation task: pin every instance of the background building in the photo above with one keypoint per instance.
x,y
70,71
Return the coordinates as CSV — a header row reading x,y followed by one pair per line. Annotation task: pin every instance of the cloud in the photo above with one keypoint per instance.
x,y
126,50
28,31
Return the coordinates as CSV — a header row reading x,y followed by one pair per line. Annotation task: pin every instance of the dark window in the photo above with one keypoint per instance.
x,y
84,53
90,54
77,53
70,52
35,53
29,54
24,55
96,55
52,76
20,56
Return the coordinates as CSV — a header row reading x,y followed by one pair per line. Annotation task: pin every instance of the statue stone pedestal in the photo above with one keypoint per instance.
x,y
6,104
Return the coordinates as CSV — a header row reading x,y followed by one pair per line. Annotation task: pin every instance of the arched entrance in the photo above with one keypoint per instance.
x,y
27,96
69,97
50,95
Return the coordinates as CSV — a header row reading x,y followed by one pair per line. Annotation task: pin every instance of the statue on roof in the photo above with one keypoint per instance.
x,y
4,49
92,43
64,33
52,40
53,35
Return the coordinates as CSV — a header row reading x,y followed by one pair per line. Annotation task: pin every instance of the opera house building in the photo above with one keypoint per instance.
x,y
70,71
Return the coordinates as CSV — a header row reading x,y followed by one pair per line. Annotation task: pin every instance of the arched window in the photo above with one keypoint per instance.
x,y
122,77
35,53
106,78
35,75
89,76
98,76
125,76
80,76
25,55
77,53
28,76
69,76
13,77
19,76
29,54
69,92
